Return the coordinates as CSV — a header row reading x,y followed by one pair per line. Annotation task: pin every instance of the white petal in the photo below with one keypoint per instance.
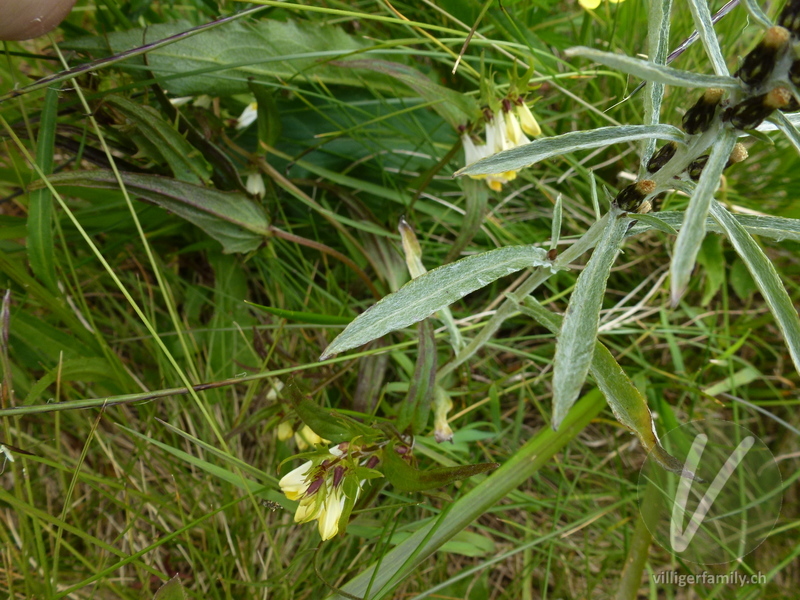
x,y
248,116
294,484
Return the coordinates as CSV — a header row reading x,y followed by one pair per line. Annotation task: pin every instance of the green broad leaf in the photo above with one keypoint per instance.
x,y
455,108
774,228
713,262
162,140
172,590
528,154
406,478
328,424
576,340
765,277
436,289
302,317
691,235
220,62
231,218
269,118
655,222
626,402
652,72
416,408
705,28
40,246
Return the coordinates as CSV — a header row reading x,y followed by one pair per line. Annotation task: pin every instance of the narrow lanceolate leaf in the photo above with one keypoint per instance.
x,y
658,23
416,408
705,29
528,154
693,231
757,14
231,218
160,140
423,296
655,222
652,72
40,210
774,228
626,402
576,341
765,277
787,128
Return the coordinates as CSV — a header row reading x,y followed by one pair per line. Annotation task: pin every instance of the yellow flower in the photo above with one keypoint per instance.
x,y
285,431
306,437
331,513
527,120
294,484
592,4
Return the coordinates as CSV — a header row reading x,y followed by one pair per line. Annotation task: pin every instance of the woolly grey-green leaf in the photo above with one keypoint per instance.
x,y
528,154
436,289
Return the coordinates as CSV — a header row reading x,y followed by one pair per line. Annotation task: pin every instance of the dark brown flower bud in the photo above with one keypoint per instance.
x,y
631,197
790,17
749,113
552,254
760,62
313,488
794,73
662,156
338,473
695,168
698,118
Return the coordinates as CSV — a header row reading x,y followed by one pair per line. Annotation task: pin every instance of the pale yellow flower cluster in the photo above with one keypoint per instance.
x,y
503,131
317,485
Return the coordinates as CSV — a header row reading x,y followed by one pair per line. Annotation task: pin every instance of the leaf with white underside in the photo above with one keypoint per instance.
x,y
436,289
705,29
576,340
774,228
687,245
765,277
626,402
757,14
528,154
787,128
652,72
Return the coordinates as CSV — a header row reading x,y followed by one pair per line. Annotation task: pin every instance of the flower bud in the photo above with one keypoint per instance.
x,y
695,168
442,404
514,131
285,431
760,62
698,118
749,113
631,197
662,156
411,249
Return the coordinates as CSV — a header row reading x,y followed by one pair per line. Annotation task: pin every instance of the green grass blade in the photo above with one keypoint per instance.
x,y
528,154
786,128
774,228
41,249
423,296
652,72
576,340
693,231
406,557
765,277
